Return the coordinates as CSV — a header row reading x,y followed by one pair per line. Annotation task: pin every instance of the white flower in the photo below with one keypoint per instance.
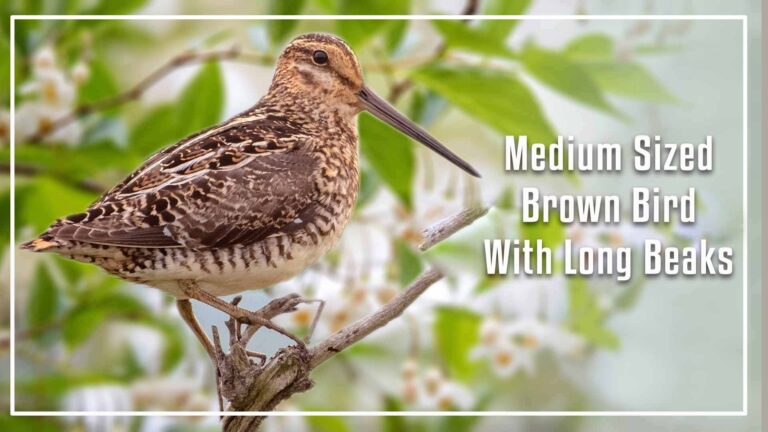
x,y
99,398
452,395
51,87
35,117
44,59
433,390
512,346
490,332
80,72
438,392
506,359
48,97
496,345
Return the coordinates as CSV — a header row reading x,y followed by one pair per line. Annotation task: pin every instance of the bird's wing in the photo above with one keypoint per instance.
x,y
235,183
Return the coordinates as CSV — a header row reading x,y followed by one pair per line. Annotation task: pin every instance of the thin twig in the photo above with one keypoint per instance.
x,y
347,336
135,92
440,231
31,170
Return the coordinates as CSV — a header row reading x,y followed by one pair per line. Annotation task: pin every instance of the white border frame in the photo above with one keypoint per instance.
x,y
745,351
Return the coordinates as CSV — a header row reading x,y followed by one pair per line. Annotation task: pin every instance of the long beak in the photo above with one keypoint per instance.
x,y
387,113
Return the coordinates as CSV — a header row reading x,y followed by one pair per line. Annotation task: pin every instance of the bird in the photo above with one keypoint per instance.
x,y
246,203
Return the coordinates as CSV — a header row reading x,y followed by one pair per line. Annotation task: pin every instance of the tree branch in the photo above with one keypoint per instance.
x,y
135,92
347,336
251,387
441,231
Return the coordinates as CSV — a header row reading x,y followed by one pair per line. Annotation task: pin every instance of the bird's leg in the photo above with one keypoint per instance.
x,y
259,317
185,310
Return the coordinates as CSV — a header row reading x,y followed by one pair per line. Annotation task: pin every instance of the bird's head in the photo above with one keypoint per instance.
x,y
324,70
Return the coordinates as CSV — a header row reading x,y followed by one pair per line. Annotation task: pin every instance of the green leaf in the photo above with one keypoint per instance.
x,y
551,234
367,350
460,35
426,106
96,162
56,384
565,76
5,71
394,35
590,47
201,103
43,303
393,423
631,80
458,424
500,29
486,284
37,424
456,332
111,7
596,53
487,37
278,30
498,99
390,154
506,199
100,85
586,318
327,424
80,324
408,262
369,185
5,216
359,32
46,200
155,130
98,306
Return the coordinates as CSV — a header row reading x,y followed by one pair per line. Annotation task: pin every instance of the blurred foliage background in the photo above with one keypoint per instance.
x,y
95,98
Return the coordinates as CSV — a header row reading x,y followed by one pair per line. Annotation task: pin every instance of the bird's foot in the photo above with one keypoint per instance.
x,y
263,317
238,368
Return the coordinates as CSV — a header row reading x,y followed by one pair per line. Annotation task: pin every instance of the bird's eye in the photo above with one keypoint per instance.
x,y
320,57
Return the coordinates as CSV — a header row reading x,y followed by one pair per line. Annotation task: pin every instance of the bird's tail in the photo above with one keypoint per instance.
x,y
41,244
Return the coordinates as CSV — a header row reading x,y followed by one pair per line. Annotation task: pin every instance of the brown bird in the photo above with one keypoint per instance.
x,y
247,203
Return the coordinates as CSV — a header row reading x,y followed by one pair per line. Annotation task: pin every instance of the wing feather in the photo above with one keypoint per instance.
x,y
227,185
